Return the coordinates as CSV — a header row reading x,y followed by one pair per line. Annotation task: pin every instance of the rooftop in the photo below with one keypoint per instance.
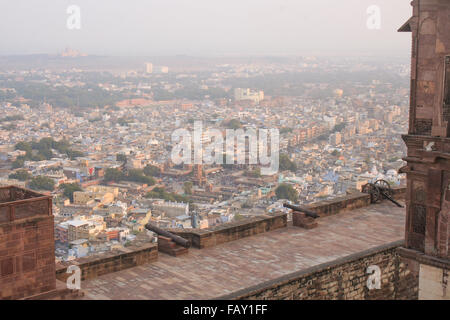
x,y
216,271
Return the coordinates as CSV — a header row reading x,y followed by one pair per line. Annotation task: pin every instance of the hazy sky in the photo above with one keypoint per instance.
x,y
204,27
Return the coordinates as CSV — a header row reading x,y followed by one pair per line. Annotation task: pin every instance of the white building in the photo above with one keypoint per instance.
x,y
149,67
247,94
172,209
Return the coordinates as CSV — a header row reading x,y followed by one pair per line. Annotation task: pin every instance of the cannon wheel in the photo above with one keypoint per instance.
x,y
375,195
384,186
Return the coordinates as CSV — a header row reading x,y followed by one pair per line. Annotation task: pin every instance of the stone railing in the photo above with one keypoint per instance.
x,y
349,202
340,204
116,260
204,238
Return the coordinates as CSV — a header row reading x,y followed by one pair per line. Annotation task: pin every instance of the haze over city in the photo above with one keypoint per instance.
x,y
204,27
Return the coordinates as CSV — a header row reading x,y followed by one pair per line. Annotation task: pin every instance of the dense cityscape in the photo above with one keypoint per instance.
x,y
99,141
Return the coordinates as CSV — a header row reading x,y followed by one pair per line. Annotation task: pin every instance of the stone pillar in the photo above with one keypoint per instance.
x,y
428,143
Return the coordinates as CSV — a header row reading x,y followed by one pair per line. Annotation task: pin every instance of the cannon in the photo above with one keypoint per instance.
x,y
380,190
177,239
307,212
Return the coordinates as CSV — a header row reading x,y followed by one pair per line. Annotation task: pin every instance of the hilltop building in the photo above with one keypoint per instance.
x,y
248,94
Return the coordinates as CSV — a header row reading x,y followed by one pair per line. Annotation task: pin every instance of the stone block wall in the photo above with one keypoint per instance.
x,y
27,259
93,267
349,202
342,279
211,237
340,204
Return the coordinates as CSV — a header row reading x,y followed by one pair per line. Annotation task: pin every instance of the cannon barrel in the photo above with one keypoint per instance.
x,y
387,196
309,213
177,239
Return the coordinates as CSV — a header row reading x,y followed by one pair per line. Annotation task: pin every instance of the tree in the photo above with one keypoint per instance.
x,y
45,144
287,164
339,127
18,163
286,191
255,173
137,175
42,183
24,146
21,175
151,171
336,153
233,124
161,193
285,130
121,157
123,121
69,189
113,174
323,137
42,150
46,153
73,154
187,187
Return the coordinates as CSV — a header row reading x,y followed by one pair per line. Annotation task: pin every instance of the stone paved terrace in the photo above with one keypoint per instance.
x,y
220,270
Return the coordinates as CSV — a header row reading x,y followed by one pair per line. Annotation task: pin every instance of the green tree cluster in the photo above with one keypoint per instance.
x,y
42,183
339,127
161,193
232,124
21,175
151,171
69,189
133,175
188,187
42,150
255,173
287,164
286,191
121,157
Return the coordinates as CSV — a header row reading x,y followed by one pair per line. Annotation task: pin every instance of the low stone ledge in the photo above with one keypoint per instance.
x,y
116,260
340,204
210,237
349,202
